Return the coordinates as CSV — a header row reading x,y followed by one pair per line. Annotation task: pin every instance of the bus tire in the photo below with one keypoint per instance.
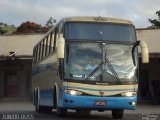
x,y
83,112
38,108
34,96
54,98
117,114
61,112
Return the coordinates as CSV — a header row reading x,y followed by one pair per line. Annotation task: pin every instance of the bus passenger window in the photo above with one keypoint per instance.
x,y
60,69
55,39
50,43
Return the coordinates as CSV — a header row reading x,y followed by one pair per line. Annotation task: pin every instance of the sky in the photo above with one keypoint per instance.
x,y
39,11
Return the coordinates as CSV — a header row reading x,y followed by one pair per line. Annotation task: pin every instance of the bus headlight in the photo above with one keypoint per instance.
x,y
129,94
72,92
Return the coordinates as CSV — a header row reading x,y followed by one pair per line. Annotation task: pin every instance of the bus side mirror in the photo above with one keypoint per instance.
x,y
144,52
60,47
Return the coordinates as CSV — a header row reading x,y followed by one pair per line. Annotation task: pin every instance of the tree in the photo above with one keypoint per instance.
x,y
2,31
50,23
155,22
6,29
30,27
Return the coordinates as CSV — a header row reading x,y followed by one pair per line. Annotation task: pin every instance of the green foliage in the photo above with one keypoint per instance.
x,y
50,23
2,31
26,27
155,22
6,29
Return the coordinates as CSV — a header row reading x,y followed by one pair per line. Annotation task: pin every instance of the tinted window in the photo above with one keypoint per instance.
x,y
100,31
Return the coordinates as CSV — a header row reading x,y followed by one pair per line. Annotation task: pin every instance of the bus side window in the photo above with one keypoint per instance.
x,y
39,49
37,52
60,68
34,53
55,39
50,43
46,46
43,50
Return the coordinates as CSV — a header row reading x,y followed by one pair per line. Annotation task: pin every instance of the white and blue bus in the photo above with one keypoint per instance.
x,y
87,63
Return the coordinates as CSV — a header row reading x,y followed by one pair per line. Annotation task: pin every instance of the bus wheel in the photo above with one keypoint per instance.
x,y
117,114
61,112
39,108
33,97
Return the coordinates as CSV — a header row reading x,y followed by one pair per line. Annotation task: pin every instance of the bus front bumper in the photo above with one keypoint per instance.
x,y
97,103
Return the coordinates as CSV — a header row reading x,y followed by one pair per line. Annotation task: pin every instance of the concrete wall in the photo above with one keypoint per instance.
x,y
23,74
23,44
25,79
152,37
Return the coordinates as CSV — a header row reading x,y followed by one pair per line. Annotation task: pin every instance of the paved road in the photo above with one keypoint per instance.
x,y
24,110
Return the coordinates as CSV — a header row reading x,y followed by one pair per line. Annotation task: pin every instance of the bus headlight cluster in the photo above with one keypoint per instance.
x,y
72,92
129,94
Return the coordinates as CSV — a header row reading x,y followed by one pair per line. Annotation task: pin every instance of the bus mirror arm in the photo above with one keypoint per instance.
x,y
144,51
133,50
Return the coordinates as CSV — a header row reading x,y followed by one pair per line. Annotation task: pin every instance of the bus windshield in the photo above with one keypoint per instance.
x,y
78,62
121,60
100,31
82,59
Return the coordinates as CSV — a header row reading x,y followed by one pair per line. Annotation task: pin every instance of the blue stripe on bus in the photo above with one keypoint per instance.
x,y
43,68
89,102
68,87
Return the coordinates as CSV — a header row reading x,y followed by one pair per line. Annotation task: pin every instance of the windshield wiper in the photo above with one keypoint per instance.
x,y
112,69
100,65
94,71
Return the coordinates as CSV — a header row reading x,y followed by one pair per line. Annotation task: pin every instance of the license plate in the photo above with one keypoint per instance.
x,y
100,103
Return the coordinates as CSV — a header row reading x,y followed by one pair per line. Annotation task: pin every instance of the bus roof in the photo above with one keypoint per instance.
x,y
90,19
97,19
